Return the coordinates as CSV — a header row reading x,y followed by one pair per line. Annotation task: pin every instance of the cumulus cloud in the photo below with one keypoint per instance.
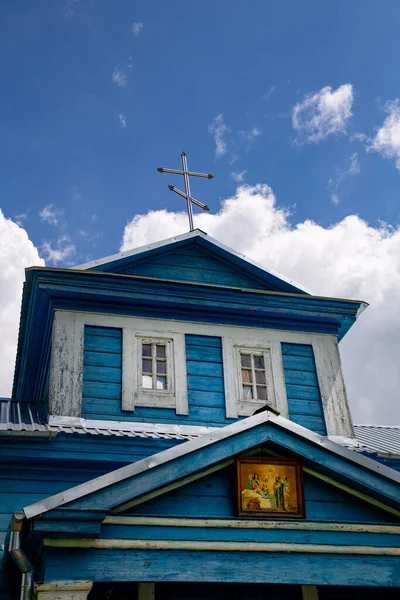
x,y
349,259
387,138
137,28
16,253
220,131
323,113
56,251
342,173
119,77
238,177
50,215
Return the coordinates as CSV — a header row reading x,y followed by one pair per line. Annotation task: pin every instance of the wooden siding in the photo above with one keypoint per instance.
x,y
102,381
214,496
302,389
194,265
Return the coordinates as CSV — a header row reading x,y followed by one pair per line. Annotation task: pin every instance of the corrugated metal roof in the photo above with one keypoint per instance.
x,y
382,439
23,418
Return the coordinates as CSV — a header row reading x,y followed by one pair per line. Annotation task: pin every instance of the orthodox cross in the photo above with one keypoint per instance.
x,y
186,174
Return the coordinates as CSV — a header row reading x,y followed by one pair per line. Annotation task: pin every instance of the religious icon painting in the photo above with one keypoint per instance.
x,y
269,488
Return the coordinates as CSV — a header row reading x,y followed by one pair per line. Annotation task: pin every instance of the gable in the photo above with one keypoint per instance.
x,y
194,264
214,497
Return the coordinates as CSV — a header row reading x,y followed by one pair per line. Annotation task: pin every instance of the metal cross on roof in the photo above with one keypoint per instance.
x,y
186,174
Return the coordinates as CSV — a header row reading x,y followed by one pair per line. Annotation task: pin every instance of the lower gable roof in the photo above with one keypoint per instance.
x,y
342,467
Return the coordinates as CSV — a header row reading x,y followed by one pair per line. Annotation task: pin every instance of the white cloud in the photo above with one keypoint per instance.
x,y
16,253
19,219
323,113
249,135
137,28
56,251
122,120
238,177
119,77
342,173
50,215
269,92
349,259
387,138
219,130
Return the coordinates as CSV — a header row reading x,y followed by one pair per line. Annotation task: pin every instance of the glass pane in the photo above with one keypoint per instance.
x,y
261,393
147,382
161,366
247,392
260,376
146,349
246,376
161,383
160,351
259,362
246,360
146,365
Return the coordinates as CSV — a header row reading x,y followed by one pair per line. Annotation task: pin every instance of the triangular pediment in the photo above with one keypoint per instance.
x,y
365,482
195,258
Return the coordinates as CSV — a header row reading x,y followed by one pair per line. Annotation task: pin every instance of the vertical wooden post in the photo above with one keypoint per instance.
x,y
63,590
309,592
146,591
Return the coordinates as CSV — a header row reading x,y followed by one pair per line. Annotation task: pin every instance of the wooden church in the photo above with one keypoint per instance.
x,y
179,430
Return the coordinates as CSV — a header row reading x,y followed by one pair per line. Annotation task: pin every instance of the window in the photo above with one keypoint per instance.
x,y
154,366
255,385
254,380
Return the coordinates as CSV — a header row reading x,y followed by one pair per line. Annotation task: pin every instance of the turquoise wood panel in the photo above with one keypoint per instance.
x,y
222,567
102,381
302,388
196,266
214,496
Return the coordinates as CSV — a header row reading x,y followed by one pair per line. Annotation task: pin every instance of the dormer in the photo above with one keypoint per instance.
x,y
182,332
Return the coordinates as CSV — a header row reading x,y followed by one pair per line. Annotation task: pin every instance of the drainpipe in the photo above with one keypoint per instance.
x,y
19,556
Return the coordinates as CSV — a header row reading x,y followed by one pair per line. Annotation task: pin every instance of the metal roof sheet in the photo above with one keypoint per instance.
x,y
382,439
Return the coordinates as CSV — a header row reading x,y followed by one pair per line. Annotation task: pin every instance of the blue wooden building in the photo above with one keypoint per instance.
x,y
141,382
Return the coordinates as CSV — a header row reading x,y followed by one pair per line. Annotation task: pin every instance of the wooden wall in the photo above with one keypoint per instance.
x,y
302,388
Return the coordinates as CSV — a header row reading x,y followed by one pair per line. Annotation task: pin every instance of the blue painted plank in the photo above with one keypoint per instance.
x,y
96,343
203,354
302,392
301,378
213,566
206,398
102,359
103,331
202,383
315,423
206,369
311,408
91,389
297,350
203,340
102,374
299,363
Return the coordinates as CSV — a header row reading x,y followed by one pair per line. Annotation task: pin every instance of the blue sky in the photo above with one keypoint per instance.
x,y
88,145
294,106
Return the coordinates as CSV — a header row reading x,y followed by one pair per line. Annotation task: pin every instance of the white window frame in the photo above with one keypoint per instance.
x,y
151,397
248,406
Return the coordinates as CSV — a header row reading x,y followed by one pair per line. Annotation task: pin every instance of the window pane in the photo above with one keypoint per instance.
x,y
260,376
146,349
147,382
161,383
259,362
247,392
161,366
146,365
246,376
160,351
261,392
246,360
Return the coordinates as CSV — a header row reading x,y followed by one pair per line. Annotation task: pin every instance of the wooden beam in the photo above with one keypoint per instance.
x,y
195,545
309,592
146,591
